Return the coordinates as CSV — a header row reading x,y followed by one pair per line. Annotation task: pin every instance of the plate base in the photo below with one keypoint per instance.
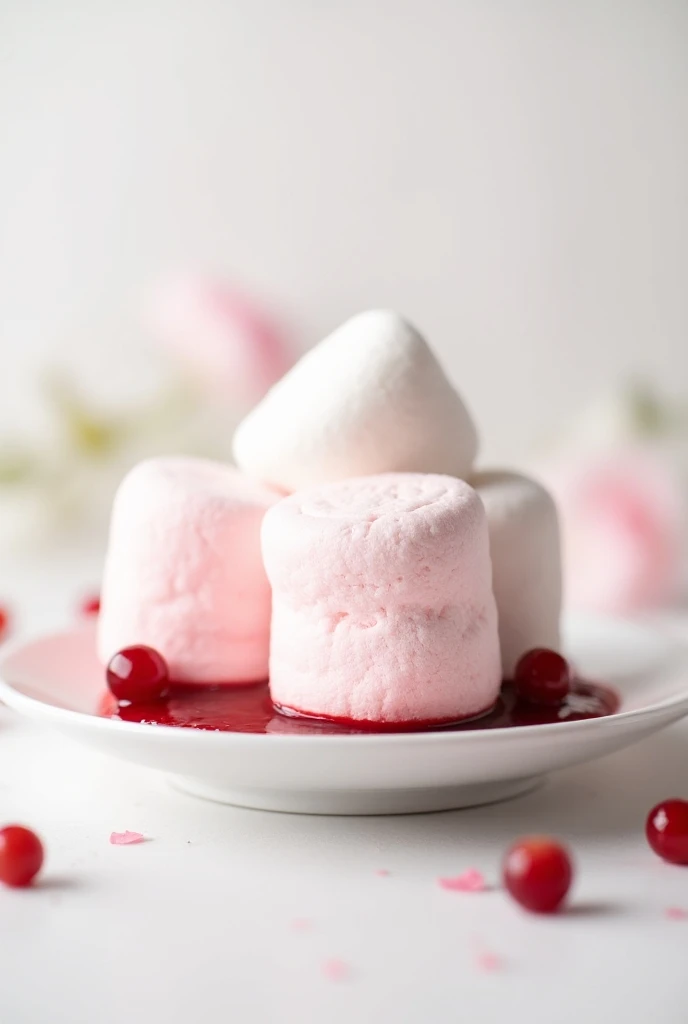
x,y
382,801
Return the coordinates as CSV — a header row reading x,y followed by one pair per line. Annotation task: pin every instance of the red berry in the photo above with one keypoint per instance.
x,y
90,605
5,619
667,830
21,855
542,677
538,873
138,674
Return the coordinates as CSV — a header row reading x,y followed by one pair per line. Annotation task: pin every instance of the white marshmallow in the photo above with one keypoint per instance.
x,y
526,562
371,398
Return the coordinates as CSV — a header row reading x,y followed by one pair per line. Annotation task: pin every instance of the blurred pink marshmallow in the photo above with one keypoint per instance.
x,y
225,338
622,522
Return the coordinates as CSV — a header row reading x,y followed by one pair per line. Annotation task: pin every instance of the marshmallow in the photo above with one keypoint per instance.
x,y
526,562
184,572
227,340
383,610
370,398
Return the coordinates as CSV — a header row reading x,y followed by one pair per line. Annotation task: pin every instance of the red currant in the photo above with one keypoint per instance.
x,y
21,855
138,674
538,873
667,830
90,605
542,677
5,620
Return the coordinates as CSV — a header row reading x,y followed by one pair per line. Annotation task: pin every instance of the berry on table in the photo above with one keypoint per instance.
x,y
21,855
137,674
5,622
538,873
542,677
90,605
667,830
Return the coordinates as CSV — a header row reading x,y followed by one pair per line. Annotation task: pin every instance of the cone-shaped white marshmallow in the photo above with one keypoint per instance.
x,y
526,562
184,572
383,609
370,398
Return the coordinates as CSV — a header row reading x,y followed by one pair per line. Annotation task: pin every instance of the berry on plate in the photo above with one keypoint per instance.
x,y
542,677
137,674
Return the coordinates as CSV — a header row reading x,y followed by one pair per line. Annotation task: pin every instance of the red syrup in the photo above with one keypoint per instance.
x,y
248,709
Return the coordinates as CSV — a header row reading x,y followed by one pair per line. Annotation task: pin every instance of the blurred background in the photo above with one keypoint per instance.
x,y
193,191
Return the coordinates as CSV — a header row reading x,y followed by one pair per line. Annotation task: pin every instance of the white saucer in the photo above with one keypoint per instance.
x,y
58,680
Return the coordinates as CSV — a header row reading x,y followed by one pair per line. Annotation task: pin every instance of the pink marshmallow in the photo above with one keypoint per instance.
x,y
184,571
229,341
383,609
623,520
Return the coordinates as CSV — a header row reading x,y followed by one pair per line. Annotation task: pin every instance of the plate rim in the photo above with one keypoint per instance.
x,y
675,652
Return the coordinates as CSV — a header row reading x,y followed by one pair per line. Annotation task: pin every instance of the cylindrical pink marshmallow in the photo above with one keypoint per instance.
x,y
184,572
383,611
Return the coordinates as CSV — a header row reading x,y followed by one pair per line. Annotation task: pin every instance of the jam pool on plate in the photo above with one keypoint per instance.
x,y
248,709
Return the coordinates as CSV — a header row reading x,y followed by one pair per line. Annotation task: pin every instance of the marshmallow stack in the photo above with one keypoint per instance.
x,y
184,572
400,593
370,398
382,604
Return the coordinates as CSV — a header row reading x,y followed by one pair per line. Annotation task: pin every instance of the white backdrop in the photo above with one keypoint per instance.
x,y
510,174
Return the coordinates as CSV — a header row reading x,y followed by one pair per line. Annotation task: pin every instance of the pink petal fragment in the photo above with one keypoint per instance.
x,y
490,962
301,924
383,873
676,914
336,970
126,838
470,881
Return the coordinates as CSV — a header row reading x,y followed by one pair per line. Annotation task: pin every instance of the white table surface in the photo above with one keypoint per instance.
x,y
197,924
